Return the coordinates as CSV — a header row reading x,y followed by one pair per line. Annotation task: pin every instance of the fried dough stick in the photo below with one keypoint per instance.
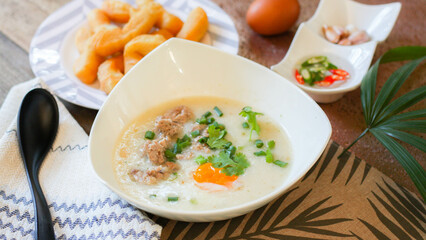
x,y
86,65
82,35
195,26
167,21
108,42
117,11
110,72
163,32
96,19
139,47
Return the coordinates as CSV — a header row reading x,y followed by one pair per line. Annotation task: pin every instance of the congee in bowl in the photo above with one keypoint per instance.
x,y
198,153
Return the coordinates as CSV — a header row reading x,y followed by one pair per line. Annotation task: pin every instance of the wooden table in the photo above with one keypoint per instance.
x,y
20,19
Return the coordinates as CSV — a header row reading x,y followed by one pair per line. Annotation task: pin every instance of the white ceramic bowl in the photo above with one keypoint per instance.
x,y
376,20
181,68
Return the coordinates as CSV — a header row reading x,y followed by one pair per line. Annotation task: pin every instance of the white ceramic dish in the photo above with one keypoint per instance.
x,y
179,69
53,52
376,20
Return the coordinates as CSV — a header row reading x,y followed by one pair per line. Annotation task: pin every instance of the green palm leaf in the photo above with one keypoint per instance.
x,y
414,125
414,140
401,103
384,118
413,168
368,89
392,85
408,115
404,53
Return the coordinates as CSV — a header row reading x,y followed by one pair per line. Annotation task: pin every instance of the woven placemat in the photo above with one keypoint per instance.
x,y
337,198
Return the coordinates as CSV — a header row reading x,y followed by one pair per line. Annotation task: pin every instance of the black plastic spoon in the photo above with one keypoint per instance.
x,y
38,121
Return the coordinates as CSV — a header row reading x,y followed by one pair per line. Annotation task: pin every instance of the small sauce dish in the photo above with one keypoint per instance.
x,y
309,41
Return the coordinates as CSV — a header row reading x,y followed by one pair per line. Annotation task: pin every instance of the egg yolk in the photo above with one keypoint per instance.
x,y
207,173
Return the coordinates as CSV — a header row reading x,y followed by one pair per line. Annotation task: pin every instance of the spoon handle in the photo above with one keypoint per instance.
x,y
43,223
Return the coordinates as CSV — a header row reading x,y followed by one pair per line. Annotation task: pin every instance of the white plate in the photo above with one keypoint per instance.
x,y
376,20
52,50
184,69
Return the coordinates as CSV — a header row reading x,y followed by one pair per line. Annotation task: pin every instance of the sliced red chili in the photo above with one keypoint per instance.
x,y
337,77
326,82
299,77
339,72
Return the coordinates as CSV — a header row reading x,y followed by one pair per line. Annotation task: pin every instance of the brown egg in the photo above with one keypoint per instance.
x,y
270,17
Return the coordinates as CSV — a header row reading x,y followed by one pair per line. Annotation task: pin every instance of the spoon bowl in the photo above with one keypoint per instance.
x,y
38,122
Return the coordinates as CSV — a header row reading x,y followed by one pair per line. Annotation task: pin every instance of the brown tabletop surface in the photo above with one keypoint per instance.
x,y
20,19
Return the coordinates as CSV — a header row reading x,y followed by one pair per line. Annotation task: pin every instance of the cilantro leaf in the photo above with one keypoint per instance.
x,y
230,166
216,137
221,161
200,159
240,166
251,119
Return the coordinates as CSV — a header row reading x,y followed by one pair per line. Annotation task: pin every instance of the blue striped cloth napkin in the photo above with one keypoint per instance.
x,y
81,206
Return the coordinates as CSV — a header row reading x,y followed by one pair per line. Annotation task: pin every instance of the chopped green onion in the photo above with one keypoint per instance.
x,y
203,139
149,135
207,114
258,143
269,157
193,201
231,151
217,125
245,125
280,163
174,176
172,199
200,159
201,120
305,74
331,66
227,145
195,133
317,69
271,144
153,196
260,153
317,59
177,148
223,134
170,155
210,120
218,112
